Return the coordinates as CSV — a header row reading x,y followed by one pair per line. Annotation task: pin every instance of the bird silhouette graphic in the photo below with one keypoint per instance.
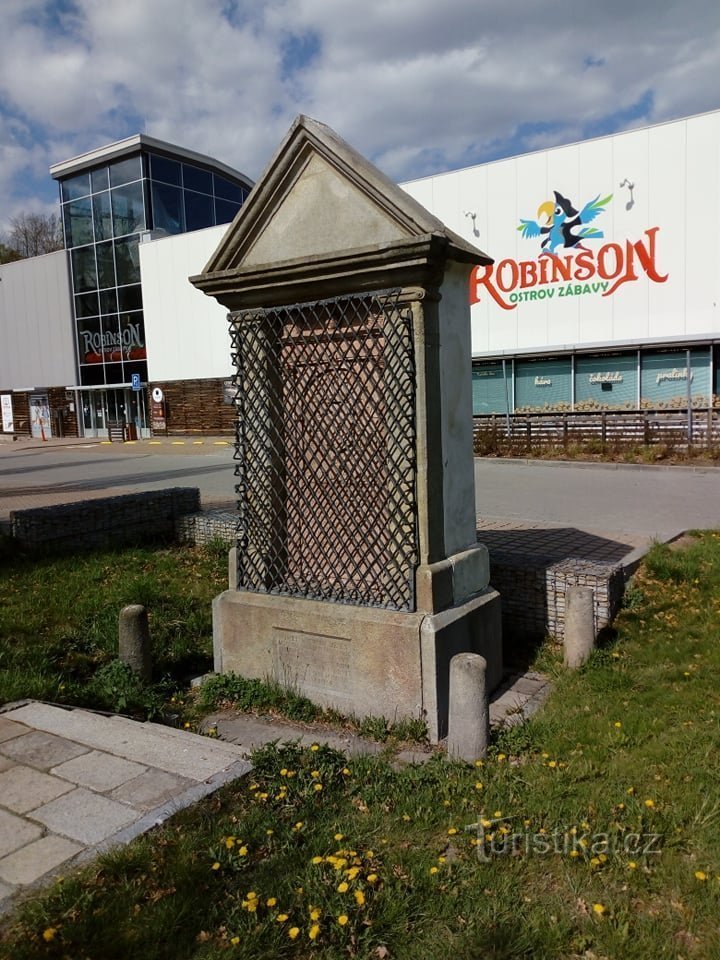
x,y
562,225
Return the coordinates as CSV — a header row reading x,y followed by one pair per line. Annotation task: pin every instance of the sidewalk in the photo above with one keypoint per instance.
x,y
74,783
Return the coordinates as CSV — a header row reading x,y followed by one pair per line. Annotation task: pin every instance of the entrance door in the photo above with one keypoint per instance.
x,y
94,413
40,416
121,405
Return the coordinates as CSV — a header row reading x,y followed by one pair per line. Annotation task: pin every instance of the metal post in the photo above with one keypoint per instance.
x,y
507,401
688,378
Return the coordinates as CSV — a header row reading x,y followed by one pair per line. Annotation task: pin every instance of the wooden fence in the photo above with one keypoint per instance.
x,y
607,427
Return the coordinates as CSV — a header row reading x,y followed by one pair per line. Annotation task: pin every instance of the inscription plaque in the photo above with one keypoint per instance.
x,y
314,664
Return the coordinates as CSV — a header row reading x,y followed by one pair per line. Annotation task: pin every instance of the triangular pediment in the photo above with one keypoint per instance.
x,y
319,198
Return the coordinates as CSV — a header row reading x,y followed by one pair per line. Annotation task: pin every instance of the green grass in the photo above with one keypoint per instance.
x,y
59,623
601,830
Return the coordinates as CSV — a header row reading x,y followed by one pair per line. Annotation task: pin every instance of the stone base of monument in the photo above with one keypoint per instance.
x,y
362,661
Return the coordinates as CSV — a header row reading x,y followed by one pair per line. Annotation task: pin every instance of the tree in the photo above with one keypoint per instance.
x,y
32,234
7,254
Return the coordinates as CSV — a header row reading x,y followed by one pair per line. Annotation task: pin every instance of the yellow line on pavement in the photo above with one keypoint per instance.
x,y
156,442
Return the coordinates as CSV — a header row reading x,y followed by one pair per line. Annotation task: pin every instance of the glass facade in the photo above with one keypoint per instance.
x,y
600,381
104,211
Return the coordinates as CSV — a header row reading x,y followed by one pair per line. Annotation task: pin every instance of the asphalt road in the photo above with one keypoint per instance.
x,y
648,501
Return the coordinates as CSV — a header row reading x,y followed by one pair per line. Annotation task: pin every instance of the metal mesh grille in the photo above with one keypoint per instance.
x,y
326,450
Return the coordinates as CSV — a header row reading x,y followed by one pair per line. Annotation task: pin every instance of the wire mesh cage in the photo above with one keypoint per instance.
x,y
325,450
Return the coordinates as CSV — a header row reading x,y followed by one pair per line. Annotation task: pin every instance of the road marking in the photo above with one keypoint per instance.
x,y
155,442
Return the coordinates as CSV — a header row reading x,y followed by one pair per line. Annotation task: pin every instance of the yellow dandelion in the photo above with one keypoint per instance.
x,y
452,831
283,772
574,853
700,875
49,934
343,887
595,861
552,763
281,917
345,772
269,833
339,836
446,803
618,724
342,919
298,825
243,851
478,763
230,842
649,803
252,895
406,818
433,869
631,790
317,787
216,866
317,860
293,932
369,854
352,873
315,747
501,757
497,813
359,897
234,941
632,865
599,909
372,878
271,902
314,913
478,785
314,932
315,774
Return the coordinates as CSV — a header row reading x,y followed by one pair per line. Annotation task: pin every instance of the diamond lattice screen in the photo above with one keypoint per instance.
x,y
326,450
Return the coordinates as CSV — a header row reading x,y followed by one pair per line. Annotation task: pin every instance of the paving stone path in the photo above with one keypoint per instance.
x,y
73,783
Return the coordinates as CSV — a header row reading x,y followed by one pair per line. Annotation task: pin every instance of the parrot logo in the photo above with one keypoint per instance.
x,y
562,225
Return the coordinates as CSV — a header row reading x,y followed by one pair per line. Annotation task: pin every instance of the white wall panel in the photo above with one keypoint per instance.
x,y
186,331
675,172
36,328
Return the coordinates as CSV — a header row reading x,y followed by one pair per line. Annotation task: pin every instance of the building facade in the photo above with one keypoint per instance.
x,y
605,290
111,200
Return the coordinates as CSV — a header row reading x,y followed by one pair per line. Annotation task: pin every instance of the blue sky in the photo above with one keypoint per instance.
x,y
418,86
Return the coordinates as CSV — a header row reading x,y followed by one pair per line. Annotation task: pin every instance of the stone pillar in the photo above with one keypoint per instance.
x,y
469,713
579,625
134,640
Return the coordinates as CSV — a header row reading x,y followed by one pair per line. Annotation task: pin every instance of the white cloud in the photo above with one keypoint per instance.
x,y
417,85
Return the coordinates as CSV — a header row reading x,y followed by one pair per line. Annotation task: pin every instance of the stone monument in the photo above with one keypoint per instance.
x,y
357,575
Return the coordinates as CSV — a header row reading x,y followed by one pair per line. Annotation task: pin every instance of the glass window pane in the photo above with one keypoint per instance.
x,y
127,260
90,376
606,380
124,171
128,209
167,208
198,211
75,187
167,171
664,377
112,352
225,211
114,373
83,267
108,301
132,334
89,340
196,179
86,305
491,391
78,222
101,216
227,190
130,298
105,264
99,179
542,384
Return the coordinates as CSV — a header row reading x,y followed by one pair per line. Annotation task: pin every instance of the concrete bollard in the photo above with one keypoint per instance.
x,y
469,709
134,640
579,625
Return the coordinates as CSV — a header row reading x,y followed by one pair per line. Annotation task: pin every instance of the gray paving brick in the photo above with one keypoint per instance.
x,y
151,789
15,832
84,816
36,859
174,751
98,771
5,892
41,750
6,763
11,728
23,788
